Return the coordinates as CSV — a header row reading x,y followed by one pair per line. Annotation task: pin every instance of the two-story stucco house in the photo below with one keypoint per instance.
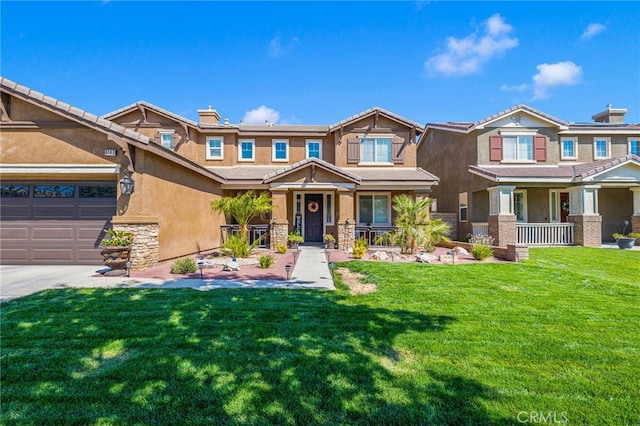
x,y
62,171
525,177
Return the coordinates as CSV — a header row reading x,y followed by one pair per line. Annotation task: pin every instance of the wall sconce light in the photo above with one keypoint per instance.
x,y
127,185
347,221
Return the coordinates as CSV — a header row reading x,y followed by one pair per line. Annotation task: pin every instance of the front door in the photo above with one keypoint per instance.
x,y
313,218
564,207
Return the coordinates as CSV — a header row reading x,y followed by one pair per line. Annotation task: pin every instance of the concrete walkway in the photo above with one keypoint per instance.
x,y
311,272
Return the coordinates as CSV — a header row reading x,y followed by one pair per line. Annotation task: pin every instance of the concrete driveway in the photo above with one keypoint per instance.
x,y
22,280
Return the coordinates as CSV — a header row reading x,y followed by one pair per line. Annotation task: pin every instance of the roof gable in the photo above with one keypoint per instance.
x,y
373,112
142,106
311,163
620,169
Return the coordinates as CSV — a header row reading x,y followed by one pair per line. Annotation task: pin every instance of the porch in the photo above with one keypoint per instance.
x,y
254,233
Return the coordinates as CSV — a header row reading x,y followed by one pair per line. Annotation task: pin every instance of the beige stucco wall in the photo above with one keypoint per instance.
x,y
180,199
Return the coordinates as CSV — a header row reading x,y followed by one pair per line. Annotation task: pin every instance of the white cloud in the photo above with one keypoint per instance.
x,y
593,29
277,49
515,88
260,115
550,75
468,55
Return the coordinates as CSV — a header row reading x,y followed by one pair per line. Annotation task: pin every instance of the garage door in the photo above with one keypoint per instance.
x,y
55,223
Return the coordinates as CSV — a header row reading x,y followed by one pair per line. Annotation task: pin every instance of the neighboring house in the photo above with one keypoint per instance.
x,y
62,170
525,177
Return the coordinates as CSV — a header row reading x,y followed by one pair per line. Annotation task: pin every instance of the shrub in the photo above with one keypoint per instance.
x,y
266,260
117,238
295,237
186,265
481,251
485,240
360,248
281,248
238,246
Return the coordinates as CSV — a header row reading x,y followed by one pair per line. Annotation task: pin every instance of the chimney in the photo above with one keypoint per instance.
x,y
209,116
610,115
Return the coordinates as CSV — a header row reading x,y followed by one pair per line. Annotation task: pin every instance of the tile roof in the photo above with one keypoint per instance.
x,y
371,111
68,110
311,161
393,174
155,108
561,172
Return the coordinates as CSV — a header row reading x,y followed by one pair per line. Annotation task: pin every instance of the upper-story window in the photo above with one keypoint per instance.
x,y
634,146
569,149
601,148
246,150
517,148
166,138
314,149
375,150
280,150
215,148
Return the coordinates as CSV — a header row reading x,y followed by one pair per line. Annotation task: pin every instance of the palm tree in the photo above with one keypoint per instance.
x,y
414,227
243,208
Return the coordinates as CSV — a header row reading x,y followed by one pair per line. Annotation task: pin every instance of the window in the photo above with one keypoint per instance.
x,y
215,148
554,205
517,148
314,149
375,150
280,150
246,150
374,209
463,206
569,149
601,148
328,209
520,205
166,138
634,147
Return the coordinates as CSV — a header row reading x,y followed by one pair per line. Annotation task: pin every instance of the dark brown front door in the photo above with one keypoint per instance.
x,y
313,218
564,207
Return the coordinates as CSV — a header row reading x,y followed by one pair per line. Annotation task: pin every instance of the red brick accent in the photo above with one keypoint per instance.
x,y
502,228
587,230
635,226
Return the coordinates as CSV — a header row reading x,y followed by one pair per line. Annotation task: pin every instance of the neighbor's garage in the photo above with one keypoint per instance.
x,y
54,223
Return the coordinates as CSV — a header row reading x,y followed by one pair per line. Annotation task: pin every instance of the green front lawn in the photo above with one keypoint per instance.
x,y
556,338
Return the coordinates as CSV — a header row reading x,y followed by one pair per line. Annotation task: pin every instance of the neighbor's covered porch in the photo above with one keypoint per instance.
x,y
542,216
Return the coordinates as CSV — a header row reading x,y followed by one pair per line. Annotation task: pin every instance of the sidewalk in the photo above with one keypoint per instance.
x,y
311,272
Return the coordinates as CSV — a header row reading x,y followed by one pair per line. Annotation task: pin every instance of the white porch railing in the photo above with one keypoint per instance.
x,y
545,234
480,228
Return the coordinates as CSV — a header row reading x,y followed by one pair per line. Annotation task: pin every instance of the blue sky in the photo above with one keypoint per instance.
x,y
320,62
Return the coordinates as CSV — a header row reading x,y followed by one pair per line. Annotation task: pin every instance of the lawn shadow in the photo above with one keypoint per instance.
x,y
225,357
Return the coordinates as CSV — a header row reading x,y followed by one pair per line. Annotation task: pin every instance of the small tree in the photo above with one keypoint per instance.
x,y
243,208
414,227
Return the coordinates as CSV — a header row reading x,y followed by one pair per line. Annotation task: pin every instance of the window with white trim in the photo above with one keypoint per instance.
x,y
520,205
280,150
314,148
166,138
634,146
246,150
463,206
517,148
569,149
601,148
214,148
328,208
554,205
375,150
374,209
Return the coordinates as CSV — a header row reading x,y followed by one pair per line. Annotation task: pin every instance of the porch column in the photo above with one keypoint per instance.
x,y
502,220
279,228
583,212
635,219
346,219
145,230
